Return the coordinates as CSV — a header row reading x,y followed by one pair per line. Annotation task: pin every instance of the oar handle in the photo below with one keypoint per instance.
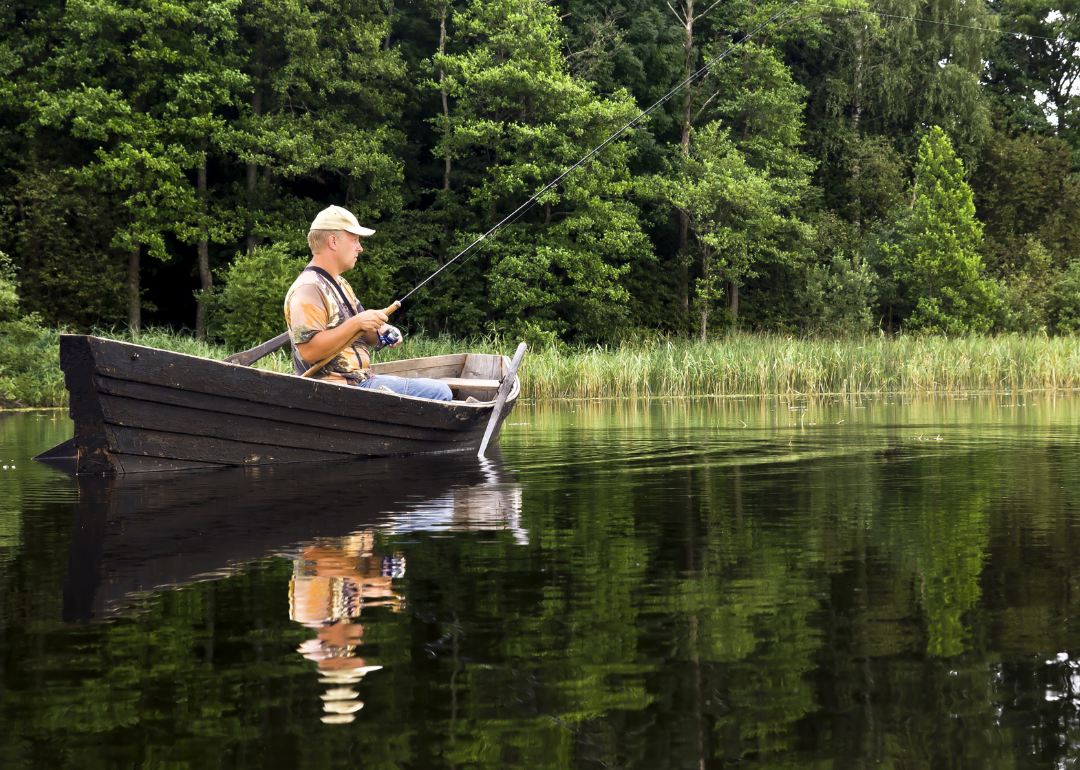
x,y
318,367
500,400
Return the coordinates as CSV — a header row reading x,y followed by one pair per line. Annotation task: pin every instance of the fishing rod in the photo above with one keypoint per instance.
x,y
520,210
524,207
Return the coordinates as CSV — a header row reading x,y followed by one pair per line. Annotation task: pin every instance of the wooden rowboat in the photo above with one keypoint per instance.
x,y
139,409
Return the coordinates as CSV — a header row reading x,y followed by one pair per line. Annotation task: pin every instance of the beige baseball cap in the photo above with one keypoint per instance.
x,y
337,218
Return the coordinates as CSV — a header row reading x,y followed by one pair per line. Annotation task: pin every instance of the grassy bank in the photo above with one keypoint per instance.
x,y
742,364
761,365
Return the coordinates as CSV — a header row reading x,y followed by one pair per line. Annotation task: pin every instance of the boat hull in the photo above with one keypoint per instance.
x,y
139,409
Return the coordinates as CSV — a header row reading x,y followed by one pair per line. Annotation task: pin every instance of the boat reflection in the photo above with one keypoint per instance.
x,y
137,535
335,579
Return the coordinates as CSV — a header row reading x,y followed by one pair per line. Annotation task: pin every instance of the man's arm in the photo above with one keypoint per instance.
x,y
330,341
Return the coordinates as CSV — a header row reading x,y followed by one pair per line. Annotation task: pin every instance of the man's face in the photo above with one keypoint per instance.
x,y
347,249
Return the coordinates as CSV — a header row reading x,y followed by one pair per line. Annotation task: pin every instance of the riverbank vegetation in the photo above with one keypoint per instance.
x,y
741,364
909,167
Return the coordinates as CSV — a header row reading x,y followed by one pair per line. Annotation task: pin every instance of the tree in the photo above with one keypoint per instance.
x,y
932,251
874,77
1034,74
743,177
1028,198
139,84
518,119
315,118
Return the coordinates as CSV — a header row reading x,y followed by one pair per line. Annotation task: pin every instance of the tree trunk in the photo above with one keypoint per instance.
x,y
684,144
733,301
206,280
253,177
443,10
705,294
389,24
856,116
134,298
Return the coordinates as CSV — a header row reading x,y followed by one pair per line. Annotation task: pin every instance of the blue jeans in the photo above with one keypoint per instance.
x,y
421,387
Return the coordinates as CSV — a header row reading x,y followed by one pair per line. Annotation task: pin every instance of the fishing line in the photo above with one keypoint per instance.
x,y
520,210
939,23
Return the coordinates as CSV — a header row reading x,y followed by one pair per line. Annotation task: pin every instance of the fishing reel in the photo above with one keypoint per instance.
x,y
392,337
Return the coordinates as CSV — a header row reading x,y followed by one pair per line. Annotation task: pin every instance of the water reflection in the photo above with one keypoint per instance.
x,y
332,583
703,583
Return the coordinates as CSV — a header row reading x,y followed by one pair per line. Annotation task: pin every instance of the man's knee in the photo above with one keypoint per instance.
x,y
435,389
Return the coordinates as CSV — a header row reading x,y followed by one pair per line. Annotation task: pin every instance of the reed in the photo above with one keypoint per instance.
x,y
756,364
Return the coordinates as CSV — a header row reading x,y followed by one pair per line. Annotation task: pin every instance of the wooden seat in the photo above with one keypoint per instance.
x,y
457,383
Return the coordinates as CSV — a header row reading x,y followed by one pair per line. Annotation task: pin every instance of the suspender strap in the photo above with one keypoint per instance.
x,y
337,287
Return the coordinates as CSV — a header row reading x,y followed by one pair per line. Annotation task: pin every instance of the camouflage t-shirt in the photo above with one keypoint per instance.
x,y
312,306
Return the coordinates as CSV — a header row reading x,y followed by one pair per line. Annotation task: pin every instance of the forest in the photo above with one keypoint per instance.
x,y
905,166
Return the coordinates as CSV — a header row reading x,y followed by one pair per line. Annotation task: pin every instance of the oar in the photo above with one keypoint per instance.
x,y
317,367
500,400
248,357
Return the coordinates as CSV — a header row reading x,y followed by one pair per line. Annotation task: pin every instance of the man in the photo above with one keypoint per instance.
x,y
323,314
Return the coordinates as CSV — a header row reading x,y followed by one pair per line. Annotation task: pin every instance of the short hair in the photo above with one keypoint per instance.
x,y
316,239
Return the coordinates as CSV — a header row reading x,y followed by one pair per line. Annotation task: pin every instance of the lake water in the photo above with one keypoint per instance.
x,y
696,583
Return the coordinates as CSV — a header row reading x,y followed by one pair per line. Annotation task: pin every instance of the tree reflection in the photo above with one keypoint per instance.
x,y
663,594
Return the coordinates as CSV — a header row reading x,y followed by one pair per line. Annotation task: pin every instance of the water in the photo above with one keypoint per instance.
x,y
686,583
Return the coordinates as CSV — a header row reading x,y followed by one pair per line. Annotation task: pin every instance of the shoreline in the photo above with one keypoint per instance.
x,y
737,366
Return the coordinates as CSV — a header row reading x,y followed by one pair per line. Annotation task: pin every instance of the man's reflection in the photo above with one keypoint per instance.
x,y
332,582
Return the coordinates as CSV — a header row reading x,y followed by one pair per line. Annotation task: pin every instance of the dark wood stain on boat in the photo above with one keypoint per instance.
x,y
139,409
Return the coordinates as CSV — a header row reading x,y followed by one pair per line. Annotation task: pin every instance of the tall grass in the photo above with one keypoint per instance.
x,y
748,364
754,364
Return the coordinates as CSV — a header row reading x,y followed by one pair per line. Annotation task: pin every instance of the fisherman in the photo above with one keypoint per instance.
x,y
323,314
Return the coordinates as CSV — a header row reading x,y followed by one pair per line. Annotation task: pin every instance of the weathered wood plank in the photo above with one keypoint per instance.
x,y
483,367
91,442
157,394
248,357
140,464
150,443
432,366
272,434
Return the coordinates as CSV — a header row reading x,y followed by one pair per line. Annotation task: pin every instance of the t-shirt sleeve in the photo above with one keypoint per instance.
x,y
307,314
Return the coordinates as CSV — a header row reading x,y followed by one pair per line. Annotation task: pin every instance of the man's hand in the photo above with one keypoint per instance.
x,y
385,329
330,341
369,320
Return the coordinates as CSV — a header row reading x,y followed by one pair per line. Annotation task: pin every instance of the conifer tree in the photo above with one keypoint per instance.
x,y
934,257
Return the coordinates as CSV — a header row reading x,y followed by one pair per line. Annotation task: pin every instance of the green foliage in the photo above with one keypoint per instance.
x,y
932,253
743,177
1066,299
839,295
29,374
1033,75
1029,198
248,309
195,132
9,289
518,119
29,364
